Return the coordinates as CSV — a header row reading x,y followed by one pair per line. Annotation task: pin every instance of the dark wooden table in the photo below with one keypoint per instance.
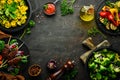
x,y
60,37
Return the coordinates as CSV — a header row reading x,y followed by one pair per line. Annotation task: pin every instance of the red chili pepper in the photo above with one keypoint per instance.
x,y
103,14
109,16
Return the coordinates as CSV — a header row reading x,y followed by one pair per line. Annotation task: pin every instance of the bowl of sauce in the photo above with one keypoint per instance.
x,y
49,8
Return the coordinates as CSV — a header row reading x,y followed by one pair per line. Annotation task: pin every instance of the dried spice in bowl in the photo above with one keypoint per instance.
x,y
34,70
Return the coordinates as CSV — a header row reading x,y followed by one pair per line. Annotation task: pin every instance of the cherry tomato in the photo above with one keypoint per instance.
x,y
1,62
0,57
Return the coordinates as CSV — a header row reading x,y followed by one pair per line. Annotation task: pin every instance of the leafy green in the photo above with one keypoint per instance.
x,y
70,75
45,6
93,31
105,21
2,45
104,65
24,59
31,23
108,3
13,41
9,10
67,7
15,71
28,29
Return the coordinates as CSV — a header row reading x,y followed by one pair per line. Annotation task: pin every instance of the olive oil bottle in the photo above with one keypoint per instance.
x,y
87,13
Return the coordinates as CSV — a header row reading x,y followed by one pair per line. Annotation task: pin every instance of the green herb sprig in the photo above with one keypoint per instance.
x,y
94,31
71,75
67,7
28,29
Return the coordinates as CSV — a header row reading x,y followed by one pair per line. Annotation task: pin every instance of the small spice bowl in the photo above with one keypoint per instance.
x,y
52,65
34,70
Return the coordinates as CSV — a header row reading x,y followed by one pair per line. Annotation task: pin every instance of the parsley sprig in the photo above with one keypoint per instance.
x,y
66,7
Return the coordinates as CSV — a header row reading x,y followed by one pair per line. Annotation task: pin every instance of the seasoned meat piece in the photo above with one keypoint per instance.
x,y
4,76
3,35
19,77
14,61
12,54
5,51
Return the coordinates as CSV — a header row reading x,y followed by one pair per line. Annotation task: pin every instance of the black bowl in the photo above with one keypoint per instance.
x,y
18,28
102,26
91,55
24,48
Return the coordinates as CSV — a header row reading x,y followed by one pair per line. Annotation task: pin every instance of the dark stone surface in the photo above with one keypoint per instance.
x,y
59,37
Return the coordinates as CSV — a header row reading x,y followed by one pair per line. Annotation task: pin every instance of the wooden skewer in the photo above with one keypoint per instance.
x,y
4,62
9,40
20,45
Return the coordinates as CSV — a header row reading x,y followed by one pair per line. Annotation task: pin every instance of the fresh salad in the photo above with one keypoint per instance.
x,y
13,13
104,65
11,58
110,15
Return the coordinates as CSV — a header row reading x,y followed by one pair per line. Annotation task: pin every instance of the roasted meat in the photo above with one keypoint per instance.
x,y
3,35
5,51
4,76
14,61
12,54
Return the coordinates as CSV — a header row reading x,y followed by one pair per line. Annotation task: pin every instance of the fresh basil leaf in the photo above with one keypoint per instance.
x,y
12,9
7,13
1,11
13,16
